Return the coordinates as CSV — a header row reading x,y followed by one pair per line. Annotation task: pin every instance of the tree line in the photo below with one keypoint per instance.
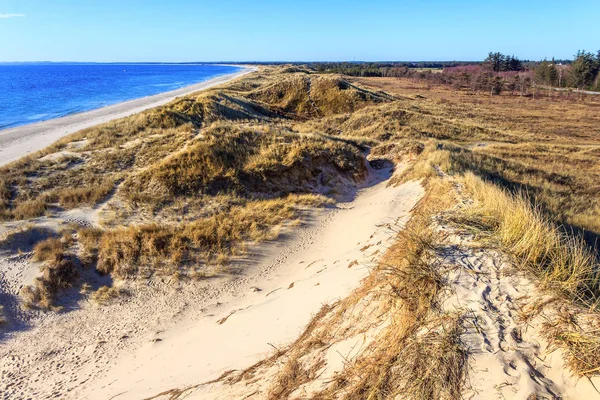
x,y
582,73
496,74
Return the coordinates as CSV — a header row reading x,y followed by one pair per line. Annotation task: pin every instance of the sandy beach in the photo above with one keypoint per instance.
x,y
20,141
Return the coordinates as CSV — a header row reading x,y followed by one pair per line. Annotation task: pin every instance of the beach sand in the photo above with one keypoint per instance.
x,y
23,140
173,334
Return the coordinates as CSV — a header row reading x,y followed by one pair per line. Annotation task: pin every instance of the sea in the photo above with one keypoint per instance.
x,y
34,92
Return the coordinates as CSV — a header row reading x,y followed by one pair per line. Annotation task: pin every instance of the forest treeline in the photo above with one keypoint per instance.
x,y
497,73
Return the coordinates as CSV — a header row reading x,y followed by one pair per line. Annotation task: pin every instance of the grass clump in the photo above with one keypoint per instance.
x,y
30,209
59,272
73,197
48,249
106,295
89,239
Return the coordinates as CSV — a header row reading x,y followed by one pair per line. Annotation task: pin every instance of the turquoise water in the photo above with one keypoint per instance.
x,y
33,92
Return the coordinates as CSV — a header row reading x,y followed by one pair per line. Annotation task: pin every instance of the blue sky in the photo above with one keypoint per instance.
x,y
263,30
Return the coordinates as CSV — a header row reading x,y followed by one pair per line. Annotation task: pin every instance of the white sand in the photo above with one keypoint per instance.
x,y
168,335
316,263
20,141
509,359
508,356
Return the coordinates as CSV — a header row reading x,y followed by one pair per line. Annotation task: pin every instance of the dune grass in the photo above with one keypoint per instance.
x,y
302,96
560,261
419,355
187,248
547,146
415,352
59,272
241,161
106,295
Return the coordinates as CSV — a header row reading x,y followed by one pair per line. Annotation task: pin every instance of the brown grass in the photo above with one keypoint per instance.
x,y
420,354
59,272
106,295
73,197
48,249
30,209
149,249
245,161
417,355
559,261
89,239
548,146
304,96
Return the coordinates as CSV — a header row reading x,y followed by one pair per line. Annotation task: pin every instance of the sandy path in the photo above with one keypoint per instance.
x,y
509,359
174,334
22,140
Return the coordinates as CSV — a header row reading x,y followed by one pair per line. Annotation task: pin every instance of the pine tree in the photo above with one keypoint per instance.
x,y
584,69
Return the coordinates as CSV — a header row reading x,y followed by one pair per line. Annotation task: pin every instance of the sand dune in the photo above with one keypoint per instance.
x,y
170,337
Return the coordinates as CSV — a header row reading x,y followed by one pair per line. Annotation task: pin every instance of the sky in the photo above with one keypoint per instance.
x,y
309,30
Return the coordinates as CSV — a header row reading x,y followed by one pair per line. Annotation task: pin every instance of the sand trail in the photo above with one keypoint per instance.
x,y
317,267
170,334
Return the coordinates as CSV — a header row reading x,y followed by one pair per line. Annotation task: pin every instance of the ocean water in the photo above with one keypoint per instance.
x,y
35,92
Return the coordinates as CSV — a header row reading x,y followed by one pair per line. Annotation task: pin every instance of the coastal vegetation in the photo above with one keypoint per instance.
x,y
497,73
182,190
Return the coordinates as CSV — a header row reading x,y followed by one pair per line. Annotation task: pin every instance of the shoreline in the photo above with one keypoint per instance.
x,y
23,140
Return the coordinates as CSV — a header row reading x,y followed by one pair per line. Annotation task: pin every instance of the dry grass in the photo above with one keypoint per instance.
x,y
416,352
548,146
48,249
30,209
74,197
244,161
106,295
305,96
562,179
89,239
562,118
419,355
560,261
59,272
150,249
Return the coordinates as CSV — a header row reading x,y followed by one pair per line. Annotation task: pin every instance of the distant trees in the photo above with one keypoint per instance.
x,y
546,73
498,62
496,74
381,69
585,70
